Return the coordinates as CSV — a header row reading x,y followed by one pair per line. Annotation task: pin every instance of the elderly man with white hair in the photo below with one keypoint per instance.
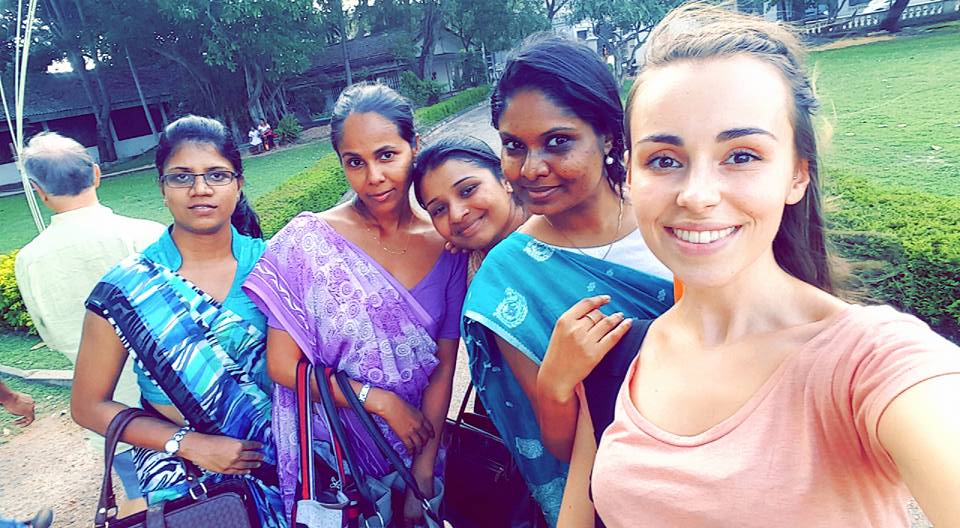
x,y
58,269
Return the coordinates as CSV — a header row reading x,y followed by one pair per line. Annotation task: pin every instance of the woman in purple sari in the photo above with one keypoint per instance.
x,y
367,288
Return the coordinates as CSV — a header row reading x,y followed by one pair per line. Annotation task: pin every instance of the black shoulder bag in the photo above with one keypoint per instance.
x,y
227,504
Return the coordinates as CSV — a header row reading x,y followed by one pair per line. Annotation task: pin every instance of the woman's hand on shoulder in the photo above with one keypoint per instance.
x,y
413,428
221,454
581,338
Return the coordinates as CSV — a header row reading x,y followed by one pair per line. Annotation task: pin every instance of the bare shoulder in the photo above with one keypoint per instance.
x,y
342,218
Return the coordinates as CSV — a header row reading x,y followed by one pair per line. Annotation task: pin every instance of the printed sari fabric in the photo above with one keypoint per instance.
x,y
201,355
346,312
521,290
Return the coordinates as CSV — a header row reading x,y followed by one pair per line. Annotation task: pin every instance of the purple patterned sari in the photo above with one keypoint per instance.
x,y
344,311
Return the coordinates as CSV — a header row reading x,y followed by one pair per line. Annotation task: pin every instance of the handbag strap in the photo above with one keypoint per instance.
x,y
367,504
463,405
382,445
107,503
306,490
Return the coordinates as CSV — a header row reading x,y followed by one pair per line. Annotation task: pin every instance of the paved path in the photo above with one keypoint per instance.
x,y
475,122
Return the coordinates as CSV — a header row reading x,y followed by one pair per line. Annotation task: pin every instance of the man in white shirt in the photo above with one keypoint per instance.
x,y
58,269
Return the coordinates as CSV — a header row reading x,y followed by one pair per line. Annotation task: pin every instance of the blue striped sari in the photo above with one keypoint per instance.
x,y
204,357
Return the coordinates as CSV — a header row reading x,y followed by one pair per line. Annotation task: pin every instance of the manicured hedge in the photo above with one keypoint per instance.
x,y
433,114
13,314
314,189
910,244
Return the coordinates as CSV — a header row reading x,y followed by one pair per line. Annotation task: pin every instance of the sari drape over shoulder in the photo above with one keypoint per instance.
x,y
346,312
203,357
518,293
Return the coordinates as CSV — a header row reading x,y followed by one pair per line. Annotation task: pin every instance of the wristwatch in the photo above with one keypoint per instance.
x,y
364,391
173,445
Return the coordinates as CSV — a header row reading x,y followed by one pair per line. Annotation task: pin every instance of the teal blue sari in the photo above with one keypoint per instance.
x,y
518,293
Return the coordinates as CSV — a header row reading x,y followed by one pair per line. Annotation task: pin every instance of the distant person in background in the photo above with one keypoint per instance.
x,y
267,134
58,269
256,142
20,404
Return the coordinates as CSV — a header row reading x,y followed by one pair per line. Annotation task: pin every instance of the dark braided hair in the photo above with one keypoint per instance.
x,y
574,77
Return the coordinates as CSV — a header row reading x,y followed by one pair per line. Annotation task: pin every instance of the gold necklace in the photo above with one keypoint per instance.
x,y
609,246
376,234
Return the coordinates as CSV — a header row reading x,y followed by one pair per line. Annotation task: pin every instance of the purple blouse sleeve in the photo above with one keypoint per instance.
x,y
456,291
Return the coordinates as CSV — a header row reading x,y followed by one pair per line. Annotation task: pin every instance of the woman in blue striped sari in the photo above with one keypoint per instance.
x,y
197,340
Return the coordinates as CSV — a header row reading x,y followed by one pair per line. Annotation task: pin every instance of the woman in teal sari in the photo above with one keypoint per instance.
x,y
558,112
197,340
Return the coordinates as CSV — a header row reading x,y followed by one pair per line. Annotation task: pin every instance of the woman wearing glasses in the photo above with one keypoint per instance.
x,y
197,340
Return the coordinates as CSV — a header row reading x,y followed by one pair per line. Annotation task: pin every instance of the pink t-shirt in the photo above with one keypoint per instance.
x,y
802,451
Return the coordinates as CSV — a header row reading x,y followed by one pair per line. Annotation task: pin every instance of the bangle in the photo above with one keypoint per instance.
x,y
364,392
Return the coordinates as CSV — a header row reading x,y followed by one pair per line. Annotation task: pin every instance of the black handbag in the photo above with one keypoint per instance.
x,y
227,504
484,486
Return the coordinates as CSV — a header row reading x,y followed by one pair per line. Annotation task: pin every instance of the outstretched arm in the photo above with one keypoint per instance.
x,y
920,430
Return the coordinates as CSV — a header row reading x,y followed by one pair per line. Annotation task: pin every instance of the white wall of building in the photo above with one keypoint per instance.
x,y
129,148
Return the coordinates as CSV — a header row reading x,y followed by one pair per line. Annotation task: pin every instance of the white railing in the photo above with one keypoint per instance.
x,y
858,23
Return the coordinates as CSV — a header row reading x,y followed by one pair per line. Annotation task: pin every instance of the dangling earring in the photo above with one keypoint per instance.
x,y
608,160
508,186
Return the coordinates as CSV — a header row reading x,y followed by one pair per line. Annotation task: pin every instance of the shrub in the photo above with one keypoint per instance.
x,y
13,313
906,237
431,115
288,129
420,92
314,189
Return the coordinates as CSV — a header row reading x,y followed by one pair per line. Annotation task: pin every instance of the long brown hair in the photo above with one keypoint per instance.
x,y
700,31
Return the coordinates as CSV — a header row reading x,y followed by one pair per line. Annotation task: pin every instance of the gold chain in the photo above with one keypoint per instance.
x,y
376,234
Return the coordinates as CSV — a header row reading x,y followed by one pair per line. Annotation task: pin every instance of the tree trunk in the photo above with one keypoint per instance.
x,y
283,100
68,37
254,83
105,113
105,144
346,56
143,102
891,22
430,26
111,151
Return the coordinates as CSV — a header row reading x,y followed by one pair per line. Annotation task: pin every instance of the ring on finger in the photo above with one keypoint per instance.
x,y
592,320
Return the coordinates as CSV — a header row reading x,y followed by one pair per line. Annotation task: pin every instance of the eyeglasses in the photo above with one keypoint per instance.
x,y
184,180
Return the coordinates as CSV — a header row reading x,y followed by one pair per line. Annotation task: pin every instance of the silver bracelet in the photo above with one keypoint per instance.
x,y
364,392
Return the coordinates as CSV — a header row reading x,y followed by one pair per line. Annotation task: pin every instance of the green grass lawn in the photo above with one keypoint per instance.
x,y
16,350
895,110
136,194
